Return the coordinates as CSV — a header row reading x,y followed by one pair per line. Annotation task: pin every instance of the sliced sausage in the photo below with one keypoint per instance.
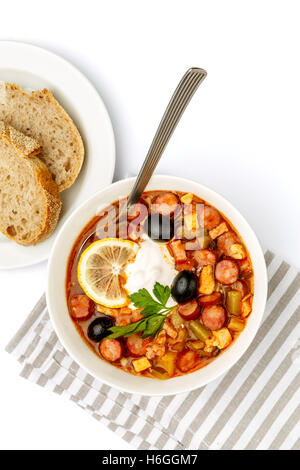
x,y
225,241
165,203
111,349
226,272
81,307
204,257
190,310
209,217
212,299
136,345
213,317
187,360
241,287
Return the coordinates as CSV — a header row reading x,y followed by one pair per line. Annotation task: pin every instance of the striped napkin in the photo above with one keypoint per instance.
x,y
256,405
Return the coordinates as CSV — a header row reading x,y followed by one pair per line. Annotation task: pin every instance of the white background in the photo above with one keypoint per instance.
x,y
240,136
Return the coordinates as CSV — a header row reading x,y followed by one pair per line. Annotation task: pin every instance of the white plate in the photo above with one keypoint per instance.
x,y
34,68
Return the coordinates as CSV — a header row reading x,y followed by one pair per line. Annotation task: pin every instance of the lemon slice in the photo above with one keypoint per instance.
x,y
101,270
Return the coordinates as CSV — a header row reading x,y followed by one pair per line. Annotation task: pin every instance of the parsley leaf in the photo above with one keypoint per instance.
x,y
125,330
162,293
154,313
141,298
154,325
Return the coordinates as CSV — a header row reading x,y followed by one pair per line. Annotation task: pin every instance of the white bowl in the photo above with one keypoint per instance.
x,y
70,338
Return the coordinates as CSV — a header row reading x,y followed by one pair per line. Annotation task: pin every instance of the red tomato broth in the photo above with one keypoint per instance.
x,y
73,288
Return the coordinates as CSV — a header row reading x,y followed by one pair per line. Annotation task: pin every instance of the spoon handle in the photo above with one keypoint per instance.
x,y
175,109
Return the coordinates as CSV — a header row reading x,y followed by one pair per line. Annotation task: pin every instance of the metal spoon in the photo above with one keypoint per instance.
x,y
175,109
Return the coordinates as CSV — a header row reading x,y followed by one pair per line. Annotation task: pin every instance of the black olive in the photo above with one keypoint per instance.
x,y
184,287
160,228
98,328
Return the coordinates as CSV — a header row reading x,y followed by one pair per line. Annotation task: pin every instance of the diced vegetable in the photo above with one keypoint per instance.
x,y
187,198
167,362
141,364
246,308
178,343
199,330
207,282
155,350
161,338
237,251
209,349
185,265
221,339
124,362
245,268
169,329
240,286
203,353
219,230
178,250
113,312
181,337
161,375
233,302
204,241
191,223
236,324
195,345
176,319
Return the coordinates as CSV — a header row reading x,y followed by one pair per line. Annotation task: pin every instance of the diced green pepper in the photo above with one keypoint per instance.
x,y
199,330
233,302
204,240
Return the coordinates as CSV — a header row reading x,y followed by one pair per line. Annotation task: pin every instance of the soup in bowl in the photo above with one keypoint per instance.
x,y
160,300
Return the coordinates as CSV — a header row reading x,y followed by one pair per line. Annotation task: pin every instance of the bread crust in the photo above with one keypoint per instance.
x,y
51,197
27,149
22,143
35,97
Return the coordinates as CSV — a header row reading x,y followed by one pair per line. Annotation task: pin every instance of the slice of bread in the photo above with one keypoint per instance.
x,y
41,117
29,198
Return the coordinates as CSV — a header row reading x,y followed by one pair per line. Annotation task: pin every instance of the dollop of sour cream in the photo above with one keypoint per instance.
x,y
152,263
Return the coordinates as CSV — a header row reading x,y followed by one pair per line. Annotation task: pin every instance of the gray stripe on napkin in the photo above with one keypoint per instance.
x,y
201,418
